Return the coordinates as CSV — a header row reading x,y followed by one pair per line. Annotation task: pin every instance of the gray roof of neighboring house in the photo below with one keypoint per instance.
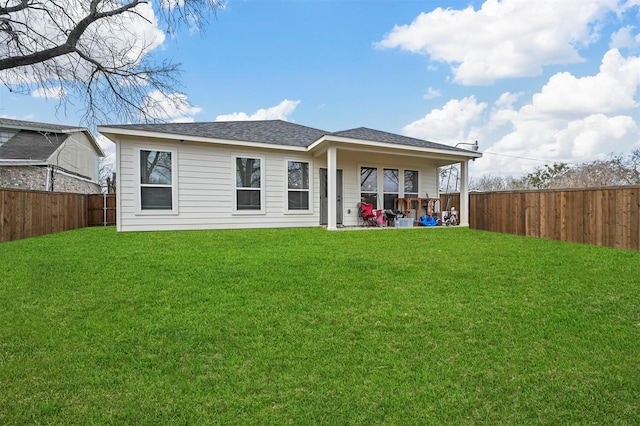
x,y
37,141
32,125
277,132
30,145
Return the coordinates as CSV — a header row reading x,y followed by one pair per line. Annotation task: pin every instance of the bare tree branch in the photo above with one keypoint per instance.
x,y
97,52
69,45
5,10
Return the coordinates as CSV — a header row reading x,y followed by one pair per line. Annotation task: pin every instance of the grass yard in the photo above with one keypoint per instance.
x,y
305,326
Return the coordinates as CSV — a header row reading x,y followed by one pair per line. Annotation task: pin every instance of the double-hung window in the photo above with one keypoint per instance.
x,y
297,186
157,180
411,184
249,184
390,187
369,186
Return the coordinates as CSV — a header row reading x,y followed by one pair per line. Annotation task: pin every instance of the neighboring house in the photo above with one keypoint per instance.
x,y
48,157
259,174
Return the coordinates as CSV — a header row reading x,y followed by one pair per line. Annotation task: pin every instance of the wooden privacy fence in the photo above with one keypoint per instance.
x,y
102,209
599,216
26,214
448,200
31,213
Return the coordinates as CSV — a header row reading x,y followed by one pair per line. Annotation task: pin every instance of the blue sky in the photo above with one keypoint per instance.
x,y
535,82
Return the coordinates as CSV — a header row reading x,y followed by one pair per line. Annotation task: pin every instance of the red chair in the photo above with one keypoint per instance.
x,y
369,216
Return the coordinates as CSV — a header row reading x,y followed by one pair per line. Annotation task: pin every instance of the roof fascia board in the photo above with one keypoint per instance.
x,y
115,134
45,129
11,162
33,128
447,154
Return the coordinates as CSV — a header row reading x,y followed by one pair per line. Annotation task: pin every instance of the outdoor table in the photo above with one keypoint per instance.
x,y
430,205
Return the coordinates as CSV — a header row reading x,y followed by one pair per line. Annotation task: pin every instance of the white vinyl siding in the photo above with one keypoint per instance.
x,y
205,189
205,185
77,155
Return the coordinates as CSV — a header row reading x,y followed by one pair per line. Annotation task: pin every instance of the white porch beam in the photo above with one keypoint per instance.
x,y
464,193
332,222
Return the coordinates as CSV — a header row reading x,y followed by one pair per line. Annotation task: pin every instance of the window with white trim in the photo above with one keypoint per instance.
x,y
298,185
156,180
411,184
369,186
249,184
390,187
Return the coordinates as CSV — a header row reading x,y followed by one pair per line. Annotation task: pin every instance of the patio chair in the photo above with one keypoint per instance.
x,y
369,216
390,216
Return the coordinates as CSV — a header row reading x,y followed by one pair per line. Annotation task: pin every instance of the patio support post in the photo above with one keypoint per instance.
x,y
332,222
464,193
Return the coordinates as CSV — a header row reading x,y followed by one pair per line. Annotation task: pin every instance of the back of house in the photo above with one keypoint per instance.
x,y
260,174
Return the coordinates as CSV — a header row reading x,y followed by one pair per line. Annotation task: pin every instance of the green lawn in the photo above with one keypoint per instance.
x,y
305,326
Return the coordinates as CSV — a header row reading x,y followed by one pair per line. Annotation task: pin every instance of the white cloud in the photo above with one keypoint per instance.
x,y
570,120
432,93
105,143
451,124
279,112
612,89
507,99
56,92
174,108
508,38
107,146
594,135
624,38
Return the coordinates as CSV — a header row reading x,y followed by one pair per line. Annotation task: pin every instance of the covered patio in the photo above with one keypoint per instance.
x,y
395,173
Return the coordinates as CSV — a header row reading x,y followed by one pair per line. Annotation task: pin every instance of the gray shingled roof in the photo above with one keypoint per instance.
x,y
32,125
277,132
37,141
367,134
30,145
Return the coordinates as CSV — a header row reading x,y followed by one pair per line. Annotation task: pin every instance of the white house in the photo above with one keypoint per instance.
x,y
259,174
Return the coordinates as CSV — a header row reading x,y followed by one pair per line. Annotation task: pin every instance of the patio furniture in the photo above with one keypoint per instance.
x,y
369,216
431,206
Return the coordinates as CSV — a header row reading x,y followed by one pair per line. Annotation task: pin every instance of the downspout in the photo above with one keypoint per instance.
x,y
46,185
49,185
